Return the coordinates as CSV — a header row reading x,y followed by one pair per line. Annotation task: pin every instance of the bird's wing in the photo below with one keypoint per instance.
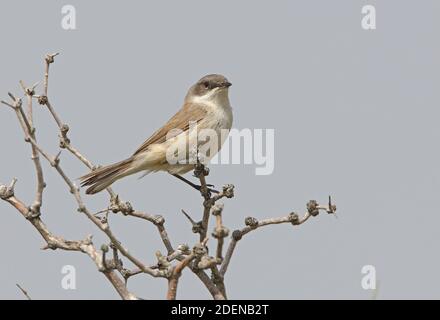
x,y
190,112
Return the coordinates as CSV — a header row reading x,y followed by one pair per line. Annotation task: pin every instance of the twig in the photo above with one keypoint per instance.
x,y
220,232
201,172
118,206
197,253
24,291
179,254
49,59
64,142
173,280
29,92
196,226
252,224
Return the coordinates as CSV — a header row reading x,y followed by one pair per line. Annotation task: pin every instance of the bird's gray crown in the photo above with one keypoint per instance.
x,y
208,83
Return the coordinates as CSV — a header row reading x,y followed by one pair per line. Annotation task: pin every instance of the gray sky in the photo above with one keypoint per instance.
x,y
355,114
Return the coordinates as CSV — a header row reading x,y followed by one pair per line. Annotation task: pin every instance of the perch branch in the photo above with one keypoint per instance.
x,y
201,172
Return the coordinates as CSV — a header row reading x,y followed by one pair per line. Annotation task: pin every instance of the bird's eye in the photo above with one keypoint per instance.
x,y
206,84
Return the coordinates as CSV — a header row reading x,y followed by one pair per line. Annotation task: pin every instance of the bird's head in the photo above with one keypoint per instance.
x,y
209,88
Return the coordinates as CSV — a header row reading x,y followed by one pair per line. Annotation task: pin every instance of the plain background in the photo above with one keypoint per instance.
x,y
355,115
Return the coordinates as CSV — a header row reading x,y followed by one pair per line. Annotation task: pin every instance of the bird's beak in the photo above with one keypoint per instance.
x,y
227,84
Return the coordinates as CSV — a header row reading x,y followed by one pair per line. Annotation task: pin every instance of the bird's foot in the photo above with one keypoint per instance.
x,y
196,186
209,188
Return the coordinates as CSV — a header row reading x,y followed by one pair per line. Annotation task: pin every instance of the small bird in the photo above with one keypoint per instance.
x,y
206,105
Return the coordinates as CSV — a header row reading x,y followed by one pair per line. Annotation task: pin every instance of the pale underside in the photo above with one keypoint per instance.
x,y
188,135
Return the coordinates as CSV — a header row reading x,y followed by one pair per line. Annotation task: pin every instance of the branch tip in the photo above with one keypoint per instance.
x,y
50,57
251,222
7,192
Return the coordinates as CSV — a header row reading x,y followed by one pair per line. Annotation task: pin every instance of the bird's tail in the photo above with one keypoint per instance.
x,y
102,178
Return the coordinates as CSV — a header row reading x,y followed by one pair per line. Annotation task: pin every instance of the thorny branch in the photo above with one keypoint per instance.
x,y
169,266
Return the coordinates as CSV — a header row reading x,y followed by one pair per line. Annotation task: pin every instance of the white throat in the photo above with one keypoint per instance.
x,y
216,98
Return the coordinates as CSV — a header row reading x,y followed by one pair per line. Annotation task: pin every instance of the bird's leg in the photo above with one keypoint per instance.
x,y
195,186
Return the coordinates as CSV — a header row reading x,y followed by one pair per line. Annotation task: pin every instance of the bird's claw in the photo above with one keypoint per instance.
x,y
210,190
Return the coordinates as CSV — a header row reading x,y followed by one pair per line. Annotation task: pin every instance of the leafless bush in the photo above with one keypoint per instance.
x,y
109,258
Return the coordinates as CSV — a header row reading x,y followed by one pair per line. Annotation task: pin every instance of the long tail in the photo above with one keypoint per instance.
x,y
102,178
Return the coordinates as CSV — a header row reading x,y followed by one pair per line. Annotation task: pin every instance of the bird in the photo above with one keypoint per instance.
x,y
206,107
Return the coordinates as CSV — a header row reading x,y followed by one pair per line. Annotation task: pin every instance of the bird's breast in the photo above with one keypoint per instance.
x,y
218,117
